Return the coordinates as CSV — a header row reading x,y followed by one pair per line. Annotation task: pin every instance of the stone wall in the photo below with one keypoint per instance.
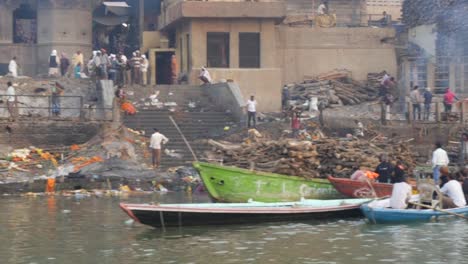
x,y
312,51
46,133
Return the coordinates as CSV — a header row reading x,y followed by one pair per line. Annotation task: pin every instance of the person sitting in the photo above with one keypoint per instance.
x,y
463,178
401,193
385,170
453,193
444,172
205,76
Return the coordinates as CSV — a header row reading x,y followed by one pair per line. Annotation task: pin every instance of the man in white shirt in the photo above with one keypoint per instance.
x,y
439,159
144,69
252,111
401,194
13,68
322,9
155,145
454,194
11,100
416,100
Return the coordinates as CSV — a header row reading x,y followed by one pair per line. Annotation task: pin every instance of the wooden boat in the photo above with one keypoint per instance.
x,y
360,189
378,214
166,215
364,189
235,185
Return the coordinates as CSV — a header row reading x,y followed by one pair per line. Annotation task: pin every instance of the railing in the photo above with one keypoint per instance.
x,y
65,107
438,114
379,20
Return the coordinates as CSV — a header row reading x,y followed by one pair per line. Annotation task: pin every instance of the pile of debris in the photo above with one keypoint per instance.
x,y
335,88
339,157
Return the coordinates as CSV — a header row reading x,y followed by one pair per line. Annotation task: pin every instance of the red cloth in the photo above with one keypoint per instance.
x,y
449,97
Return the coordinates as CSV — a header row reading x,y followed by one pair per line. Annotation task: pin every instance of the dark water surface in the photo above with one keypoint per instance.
x,y
95,230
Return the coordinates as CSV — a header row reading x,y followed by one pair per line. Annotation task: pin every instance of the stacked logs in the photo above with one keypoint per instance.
x,y
317,159
337,88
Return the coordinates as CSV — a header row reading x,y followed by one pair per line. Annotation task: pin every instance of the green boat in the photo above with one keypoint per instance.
x,y
235,185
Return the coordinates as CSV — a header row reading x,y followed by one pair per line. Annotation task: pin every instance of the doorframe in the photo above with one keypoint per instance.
x,y
152,61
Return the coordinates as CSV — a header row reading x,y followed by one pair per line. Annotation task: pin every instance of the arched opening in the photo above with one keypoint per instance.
x,y
25,24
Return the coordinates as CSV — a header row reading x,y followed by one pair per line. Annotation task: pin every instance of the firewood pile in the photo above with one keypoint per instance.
x,y
336,88
317,159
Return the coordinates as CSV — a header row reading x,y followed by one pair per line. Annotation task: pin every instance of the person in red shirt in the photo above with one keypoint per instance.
x,y
295,124
449,98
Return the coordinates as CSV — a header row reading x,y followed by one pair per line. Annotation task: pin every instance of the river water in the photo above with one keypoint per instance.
x,y
95,230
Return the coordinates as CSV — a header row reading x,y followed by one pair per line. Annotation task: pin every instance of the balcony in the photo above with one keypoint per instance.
x,y
174,10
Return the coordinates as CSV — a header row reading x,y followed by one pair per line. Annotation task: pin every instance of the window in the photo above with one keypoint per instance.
x,y
249,50
217,52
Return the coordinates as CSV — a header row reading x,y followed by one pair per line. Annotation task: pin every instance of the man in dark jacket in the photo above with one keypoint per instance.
x,y
385,170
427,95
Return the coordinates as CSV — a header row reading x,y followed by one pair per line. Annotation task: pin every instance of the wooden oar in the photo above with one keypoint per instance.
x,y
440,210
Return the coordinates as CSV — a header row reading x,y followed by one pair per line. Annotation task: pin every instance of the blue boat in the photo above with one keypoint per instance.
x,y
384,215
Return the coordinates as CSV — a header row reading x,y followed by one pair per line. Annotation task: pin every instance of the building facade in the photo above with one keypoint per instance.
x,y
31,29
246,42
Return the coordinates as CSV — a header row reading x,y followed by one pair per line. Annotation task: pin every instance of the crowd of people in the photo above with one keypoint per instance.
x,y
452,186
101,65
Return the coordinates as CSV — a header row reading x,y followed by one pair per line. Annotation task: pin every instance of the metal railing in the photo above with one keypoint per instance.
x,y
437,113
50,107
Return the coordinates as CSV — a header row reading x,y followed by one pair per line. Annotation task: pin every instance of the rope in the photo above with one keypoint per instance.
x,y
183,137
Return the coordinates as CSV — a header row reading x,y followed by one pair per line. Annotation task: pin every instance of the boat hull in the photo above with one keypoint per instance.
x,y
361,189
389,216
186,215
235,185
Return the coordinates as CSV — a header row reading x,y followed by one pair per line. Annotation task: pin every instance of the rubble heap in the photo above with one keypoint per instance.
x,y
311,159
336,88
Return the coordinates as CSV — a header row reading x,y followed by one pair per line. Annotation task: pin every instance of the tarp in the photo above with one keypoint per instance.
x,y
117,8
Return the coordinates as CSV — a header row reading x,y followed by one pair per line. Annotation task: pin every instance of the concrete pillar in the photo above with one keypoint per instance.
x,y
452,75
431,75
65,26
6,24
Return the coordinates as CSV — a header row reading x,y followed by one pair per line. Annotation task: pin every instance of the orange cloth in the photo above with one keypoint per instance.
x,y
50,185
372,175
74,147
128,108
86,162
174,68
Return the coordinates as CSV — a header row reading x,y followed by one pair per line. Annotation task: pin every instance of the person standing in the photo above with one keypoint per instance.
x,y
427,95
77,59
464,149
416,99
64,64
13,68
105,63
174,69
144,70
449,98
295,124
77,71
285,97
439,159
384,169
11,101
157,140
53,64
252,111
135,62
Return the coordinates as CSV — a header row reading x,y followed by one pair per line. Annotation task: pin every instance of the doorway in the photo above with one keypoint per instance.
x,y
163,67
